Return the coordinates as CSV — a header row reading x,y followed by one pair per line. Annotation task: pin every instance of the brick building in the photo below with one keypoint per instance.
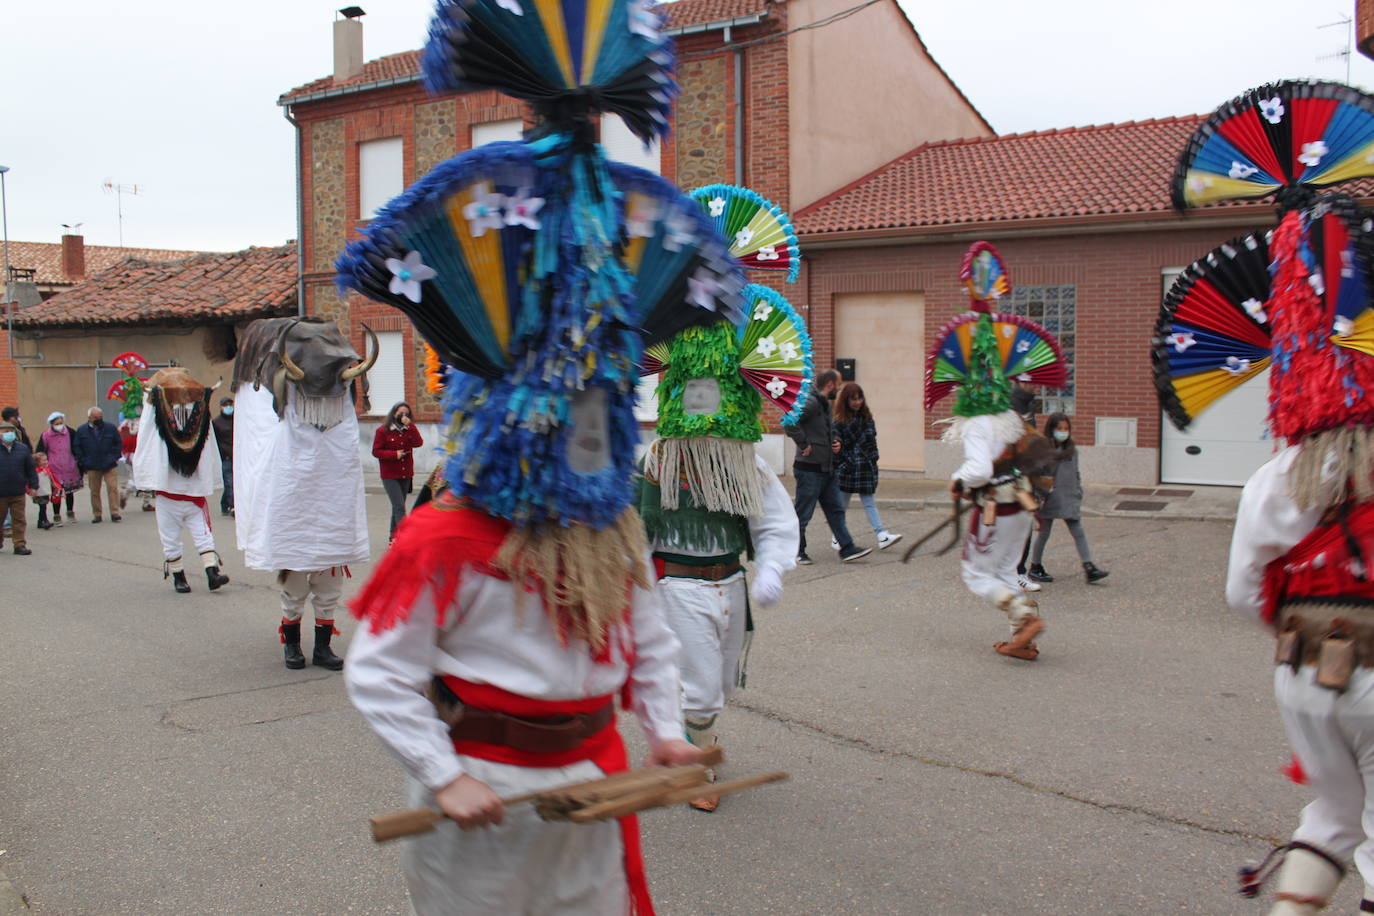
x,y
764,103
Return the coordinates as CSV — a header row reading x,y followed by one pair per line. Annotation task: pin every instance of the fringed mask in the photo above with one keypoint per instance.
x,y
181,410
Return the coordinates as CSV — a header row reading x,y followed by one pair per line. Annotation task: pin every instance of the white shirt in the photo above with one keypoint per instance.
x,y
984,438
153,471
486,640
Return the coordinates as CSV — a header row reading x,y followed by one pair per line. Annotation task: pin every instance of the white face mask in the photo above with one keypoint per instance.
x,y
1061,435
58,427
700,397
589,447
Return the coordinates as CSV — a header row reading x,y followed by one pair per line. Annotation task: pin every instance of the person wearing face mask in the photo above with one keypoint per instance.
x,y
97,447
11,415
813,431
224,435
56,443
1065,502
18,479
393,446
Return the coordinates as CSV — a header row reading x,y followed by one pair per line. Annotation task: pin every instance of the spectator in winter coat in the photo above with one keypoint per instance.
x,y
18,478
97,448
11,415
393,445
1065,501
813,466
856,465
56,443
224,436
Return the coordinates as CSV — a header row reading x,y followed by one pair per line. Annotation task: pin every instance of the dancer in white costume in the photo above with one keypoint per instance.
x,y
177,460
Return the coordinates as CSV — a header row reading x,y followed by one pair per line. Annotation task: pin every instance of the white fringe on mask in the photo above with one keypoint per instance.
x,y
1007,425
322,413
721,474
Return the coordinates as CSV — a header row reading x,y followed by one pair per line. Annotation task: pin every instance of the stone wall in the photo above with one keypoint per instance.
x,y
702,122
435,125
329,223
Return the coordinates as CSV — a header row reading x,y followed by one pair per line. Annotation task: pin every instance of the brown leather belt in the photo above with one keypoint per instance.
x,y
1314,619
713,573
536,736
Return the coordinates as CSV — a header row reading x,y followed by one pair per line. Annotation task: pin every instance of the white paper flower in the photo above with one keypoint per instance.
x,y
644,21
511,5
522,210
407,274
766,347
762,311
485,211
717,206
702,289
1022,346
1272,109
1181,340
680,232
1241,171
639,222
1255,309
1236,366
1344,327
744,237
1317,282
767,253
776,387
1199,183
789,351
1313,152
1347,262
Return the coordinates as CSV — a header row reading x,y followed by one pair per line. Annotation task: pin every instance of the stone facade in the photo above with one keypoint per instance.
x,y
435,127
329,224
702,122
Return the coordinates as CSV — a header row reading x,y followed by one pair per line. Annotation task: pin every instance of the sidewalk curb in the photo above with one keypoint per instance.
x,y
12,903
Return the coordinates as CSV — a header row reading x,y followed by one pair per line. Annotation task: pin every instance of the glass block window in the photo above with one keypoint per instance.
x,y
1055,308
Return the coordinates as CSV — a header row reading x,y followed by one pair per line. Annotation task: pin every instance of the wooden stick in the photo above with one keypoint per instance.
x,y
679,796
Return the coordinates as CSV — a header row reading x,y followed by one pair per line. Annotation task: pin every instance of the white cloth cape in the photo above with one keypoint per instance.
x,y
298,492
152,471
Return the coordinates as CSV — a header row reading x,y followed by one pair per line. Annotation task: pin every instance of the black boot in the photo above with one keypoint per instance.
x,y
324,656
179,582
1093,574
215,577
1036,573
291,645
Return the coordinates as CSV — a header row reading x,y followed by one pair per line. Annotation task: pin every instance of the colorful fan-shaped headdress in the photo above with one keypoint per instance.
x,y
129,390
539,269
760,234
978,353
1314,317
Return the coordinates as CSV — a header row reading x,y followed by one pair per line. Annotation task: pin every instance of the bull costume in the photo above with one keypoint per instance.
x,y
512,611
180,467
298,476
1296,302
978,353
707,498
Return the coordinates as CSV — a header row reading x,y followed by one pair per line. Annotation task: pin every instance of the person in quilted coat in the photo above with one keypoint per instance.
x,y
857,463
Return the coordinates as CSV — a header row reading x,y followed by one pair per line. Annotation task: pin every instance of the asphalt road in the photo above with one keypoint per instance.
x,y
157,758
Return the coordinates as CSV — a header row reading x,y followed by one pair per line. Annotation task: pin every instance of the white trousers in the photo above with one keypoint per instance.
x,y
524,867
709,620
991,555
326,585
175,516
1333,735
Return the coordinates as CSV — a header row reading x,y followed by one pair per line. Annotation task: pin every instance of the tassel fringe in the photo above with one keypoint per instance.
x,y
720,473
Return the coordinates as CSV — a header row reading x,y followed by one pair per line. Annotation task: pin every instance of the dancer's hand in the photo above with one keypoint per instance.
x,y
471,803
767,586
673,752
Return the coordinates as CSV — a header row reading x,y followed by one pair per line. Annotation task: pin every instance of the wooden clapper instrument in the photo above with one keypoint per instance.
x,y
597,800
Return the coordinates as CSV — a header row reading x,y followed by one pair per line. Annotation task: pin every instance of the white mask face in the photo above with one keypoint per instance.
x,y
701,396
589,446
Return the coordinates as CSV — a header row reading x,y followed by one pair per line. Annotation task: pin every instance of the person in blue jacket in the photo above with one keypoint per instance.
x,y
18,478
97,447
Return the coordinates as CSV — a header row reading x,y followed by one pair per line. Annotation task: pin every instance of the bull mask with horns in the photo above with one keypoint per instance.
x,y
312,355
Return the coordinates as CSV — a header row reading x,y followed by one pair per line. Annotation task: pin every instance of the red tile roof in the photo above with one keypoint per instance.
x,y
1077,173
46,258
406,64
225,287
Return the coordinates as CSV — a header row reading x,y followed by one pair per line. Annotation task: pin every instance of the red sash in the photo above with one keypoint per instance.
x,y
198,500
606,749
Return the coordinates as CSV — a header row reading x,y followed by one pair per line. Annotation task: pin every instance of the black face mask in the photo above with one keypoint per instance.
x,y
97,422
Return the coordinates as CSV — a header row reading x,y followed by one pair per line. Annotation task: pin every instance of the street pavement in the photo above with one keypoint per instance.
x,y
158,758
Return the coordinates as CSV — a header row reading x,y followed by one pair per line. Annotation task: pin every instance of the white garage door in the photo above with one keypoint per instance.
x,y
1225,444
884,333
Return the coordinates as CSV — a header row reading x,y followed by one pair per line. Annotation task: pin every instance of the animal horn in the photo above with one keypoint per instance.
x,y
374,350
294,372
215,386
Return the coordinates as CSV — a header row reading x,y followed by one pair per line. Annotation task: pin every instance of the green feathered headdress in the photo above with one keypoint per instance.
x,y
708,352
986,389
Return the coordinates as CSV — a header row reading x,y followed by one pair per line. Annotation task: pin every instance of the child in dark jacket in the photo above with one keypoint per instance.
x,y
857,462
1065,501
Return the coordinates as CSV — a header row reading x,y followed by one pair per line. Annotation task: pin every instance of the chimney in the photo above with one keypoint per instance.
x,y
74,257
348,44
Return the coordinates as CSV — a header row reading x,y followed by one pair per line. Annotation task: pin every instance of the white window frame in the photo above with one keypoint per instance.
x,y
491,131
381,174
387,377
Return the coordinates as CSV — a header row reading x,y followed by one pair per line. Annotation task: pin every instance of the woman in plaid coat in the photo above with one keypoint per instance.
x,y
856,468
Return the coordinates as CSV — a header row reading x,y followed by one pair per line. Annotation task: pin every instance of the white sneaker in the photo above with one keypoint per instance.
x,y
1026,585
886,539
834,544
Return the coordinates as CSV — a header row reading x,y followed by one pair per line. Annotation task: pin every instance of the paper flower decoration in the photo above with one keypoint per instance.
x,y
1241,171
523,211
1255,309
485,211
1272,109
1181,340
1313,152
408,274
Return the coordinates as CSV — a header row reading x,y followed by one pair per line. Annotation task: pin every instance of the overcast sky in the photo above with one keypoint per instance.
x,y
180,99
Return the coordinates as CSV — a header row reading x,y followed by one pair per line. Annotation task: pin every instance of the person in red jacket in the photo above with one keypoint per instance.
x,y
393,446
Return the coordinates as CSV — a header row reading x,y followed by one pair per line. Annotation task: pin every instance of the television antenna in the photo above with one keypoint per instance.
x,y
111,186
1344,52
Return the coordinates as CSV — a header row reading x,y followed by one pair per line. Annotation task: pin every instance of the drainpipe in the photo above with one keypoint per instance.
x,y
300,218
739,115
